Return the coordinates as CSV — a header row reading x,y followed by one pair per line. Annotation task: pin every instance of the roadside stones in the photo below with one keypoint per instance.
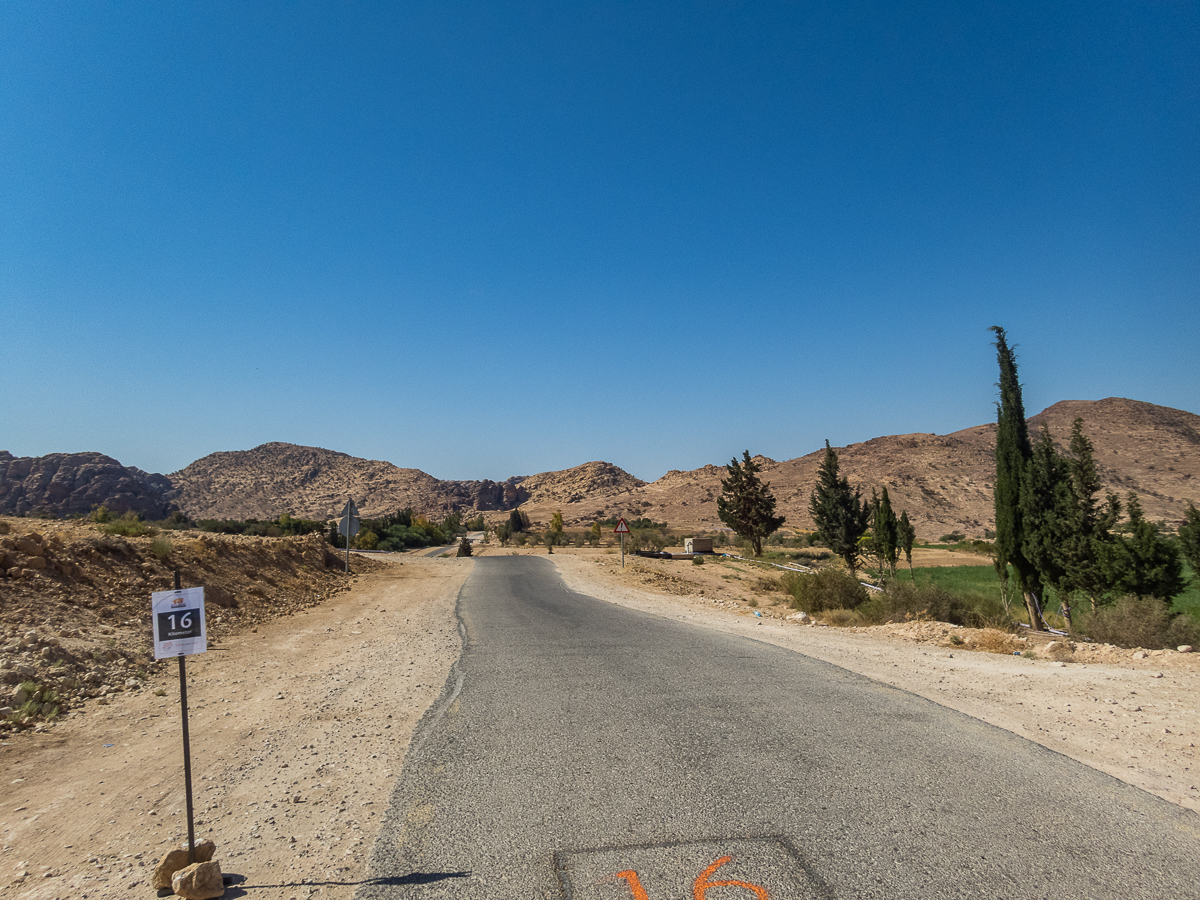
x,y
175,860
199,881
1140,654
1185,648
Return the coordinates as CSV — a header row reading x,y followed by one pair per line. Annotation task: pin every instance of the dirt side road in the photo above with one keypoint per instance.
x,y
299,728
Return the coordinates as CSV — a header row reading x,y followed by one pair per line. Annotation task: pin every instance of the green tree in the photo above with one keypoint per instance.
x,y
1189,539
908,535
503,533
1088,539
595,539
1144,563
839,513
746,503
1045,506
518,522
556,524
1013,453
464,546
885,532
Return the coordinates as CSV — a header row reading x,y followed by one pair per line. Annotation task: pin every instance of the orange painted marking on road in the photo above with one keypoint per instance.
x,y
700,888
635,884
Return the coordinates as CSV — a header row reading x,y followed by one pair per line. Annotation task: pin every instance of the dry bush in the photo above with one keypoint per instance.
x,y
765,584
840,618
826,589
991,640
1140,622
1059,650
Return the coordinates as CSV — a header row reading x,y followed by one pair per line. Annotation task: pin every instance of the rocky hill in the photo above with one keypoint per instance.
x,y
63,484
943,481
313,483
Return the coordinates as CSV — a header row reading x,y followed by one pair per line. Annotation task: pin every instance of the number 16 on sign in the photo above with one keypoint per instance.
x,y
178,618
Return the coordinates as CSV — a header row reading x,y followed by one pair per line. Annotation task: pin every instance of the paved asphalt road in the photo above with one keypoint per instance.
x,y
584,750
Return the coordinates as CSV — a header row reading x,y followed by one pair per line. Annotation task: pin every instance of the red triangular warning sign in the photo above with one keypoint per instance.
x,y
621,528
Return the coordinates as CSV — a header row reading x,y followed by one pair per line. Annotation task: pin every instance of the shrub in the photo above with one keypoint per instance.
x,y
128,525
161,547
840,618
953,537
1140,622
826,589
697,560
901,601
992,640
464,547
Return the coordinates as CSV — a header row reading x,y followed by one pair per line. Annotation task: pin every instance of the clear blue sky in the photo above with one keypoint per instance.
x,y
491,239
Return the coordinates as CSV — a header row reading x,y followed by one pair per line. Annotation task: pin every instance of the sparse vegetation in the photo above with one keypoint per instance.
x,y
823,590
129,525
1140,622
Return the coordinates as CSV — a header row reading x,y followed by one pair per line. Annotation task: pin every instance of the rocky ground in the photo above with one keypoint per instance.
x,y
302,711
75,603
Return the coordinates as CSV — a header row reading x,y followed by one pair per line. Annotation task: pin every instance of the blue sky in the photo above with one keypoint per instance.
x,y
491,239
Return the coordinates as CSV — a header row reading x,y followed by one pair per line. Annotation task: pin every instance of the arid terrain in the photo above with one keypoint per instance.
x,y
302,710
944,482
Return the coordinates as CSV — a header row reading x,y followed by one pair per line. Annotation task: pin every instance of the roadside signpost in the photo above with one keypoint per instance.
x,y
348,526
622,529
177,618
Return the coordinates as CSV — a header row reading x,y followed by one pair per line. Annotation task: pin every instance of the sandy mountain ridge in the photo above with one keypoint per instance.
x,y
943,481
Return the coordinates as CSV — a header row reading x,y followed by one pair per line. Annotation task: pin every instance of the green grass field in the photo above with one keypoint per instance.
x,y
981,581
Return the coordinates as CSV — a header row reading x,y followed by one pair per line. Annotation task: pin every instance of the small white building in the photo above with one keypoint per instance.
x,y
697,545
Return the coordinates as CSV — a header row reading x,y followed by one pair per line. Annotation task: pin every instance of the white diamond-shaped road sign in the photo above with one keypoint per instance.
x,y
348,527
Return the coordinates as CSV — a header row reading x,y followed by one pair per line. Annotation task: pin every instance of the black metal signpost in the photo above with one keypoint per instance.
x,y
348,526
178,621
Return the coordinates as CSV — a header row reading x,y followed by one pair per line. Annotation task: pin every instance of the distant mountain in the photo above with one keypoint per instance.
x,y
64,484
943,481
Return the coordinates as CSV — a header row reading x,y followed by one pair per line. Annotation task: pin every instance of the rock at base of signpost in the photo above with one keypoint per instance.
x,y
199,881
174,860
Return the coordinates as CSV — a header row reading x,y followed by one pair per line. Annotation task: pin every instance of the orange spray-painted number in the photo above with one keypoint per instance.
x,y
635,884
700,888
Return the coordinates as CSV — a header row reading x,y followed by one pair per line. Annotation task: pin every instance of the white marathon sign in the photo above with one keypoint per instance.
x,y
178,618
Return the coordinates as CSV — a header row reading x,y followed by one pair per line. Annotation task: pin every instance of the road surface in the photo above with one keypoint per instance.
x,y
585,750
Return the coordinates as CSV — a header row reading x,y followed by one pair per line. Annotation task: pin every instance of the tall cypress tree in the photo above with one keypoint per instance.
x,y
1046,512
1089,538
1013,453
746,503
839,513
907,534
885,533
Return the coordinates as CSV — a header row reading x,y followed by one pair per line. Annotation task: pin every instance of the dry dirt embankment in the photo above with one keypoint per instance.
x,y
300,719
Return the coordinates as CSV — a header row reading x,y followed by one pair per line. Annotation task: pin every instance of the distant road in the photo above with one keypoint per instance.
x,y
584,750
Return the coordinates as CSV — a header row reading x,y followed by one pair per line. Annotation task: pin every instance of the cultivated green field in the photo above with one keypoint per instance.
x,y
981,581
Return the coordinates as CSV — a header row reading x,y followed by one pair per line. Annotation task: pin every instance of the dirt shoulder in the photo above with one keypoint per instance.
x,y
299,726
